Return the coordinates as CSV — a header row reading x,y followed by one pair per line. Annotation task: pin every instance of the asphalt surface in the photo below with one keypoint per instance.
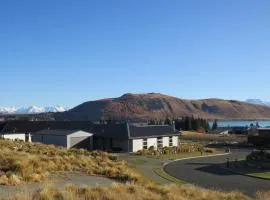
x,y
207,173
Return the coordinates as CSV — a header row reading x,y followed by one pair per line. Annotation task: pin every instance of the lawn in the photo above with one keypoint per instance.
x,y
265,175
195,136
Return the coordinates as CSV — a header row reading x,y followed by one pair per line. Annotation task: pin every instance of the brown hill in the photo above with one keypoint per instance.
x,y
159,106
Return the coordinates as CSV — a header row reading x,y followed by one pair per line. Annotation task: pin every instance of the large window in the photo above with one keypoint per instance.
x,y
170,141
144,143
159,142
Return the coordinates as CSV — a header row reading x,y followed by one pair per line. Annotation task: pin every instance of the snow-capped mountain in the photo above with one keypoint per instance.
x,y
258,102
32,109
7,110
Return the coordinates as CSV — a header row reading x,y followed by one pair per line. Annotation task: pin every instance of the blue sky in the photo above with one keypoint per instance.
x,y
68,52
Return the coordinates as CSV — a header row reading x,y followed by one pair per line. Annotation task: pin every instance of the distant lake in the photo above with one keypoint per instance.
x,y
223,123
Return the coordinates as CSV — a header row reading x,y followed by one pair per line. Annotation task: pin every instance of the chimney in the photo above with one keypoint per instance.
x,y
173,126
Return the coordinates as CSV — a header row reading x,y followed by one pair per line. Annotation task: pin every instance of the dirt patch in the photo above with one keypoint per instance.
x,y
58,181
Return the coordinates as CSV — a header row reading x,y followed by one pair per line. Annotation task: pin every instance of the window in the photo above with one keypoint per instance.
x,y
159,142
170,141
144,143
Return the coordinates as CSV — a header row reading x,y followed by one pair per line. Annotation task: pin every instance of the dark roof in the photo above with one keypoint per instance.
x,y
55,132
2,125
116,131
127,131
151,131
34,126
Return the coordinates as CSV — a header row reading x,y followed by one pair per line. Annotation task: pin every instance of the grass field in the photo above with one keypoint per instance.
x,y
25,162
265,175
136,192
22,162
206,138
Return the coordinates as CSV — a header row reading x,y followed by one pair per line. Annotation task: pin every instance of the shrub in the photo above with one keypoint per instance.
x,y
186,147
23,162
259,156
209,150
137,192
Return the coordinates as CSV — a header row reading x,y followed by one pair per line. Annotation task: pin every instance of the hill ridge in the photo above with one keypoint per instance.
x,y
147,106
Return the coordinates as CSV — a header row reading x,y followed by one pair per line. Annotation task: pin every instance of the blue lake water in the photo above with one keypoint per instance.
x,y
241,123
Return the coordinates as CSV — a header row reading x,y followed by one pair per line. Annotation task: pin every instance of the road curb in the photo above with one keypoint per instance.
x,y
194,157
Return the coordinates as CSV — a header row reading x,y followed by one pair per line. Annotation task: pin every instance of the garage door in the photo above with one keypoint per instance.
x,y
80,142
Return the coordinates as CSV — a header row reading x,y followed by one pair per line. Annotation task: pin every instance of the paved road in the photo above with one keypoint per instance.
x,y
206,172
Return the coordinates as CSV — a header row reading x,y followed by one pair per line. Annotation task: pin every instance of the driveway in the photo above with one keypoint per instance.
x,y
206,172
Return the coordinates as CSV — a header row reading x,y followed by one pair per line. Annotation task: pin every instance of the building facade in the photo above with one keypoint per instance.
x,y
132,138
64,138
124,137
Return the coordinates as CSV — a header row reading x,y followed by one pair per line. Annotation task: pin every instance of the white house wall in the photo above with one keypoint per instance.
x,y
80,137
165,141
80,134
151,142
175,141
18,136
137,145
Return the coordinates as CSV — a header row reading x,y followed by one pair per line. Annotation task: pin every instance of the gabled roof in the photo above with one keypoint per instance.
x,y
220,130
151,131
34,126
116,131
264,129
128,131
57,132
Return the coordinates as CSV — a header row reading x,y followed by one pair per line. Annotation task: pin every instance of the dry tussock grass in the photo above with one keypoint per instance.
x,y
23,162
136,192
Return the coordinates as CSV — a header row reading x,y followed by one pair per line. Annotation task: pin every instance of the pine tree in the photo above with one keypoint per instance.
x,y
215,125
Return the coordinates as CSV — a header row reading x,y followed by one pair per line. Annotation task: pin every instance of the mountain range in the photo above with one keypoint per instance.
x,y
152,106
160,106
31,109
258,102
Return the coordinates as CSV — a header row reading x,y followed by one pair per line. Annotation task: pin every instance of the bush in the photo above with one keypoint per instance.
x,y
259,156
23,162
209,150
190,147
137,192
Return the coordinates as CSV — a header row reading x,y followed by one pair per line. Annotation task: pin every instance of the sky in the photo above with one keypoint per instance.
x,y
66,52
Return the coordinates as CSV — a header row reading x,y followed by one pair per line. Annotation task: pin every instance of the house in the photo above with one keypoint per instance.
x,y
22,130
259,137
124,137
131,138
239,130
11,133
220,130
264,132
64,138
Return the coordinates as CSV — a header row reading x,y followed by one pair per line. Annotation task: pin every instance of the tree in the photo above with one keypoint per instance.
x,y
167,121
215,125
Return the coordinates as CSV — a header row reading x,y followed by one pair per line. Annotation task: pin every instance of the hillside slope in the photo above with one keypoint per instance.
x,y
159,106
